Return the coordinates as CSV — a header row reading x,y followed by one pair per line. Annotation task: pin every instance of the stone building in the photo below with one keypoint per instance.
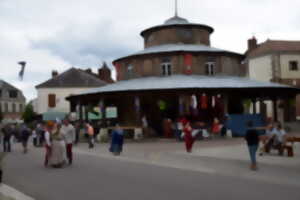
x,y
12,102
179,47
277,61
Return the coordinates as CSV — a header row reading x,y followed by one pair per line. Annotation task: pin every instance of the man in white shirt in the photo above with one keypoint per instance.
x,y
68,132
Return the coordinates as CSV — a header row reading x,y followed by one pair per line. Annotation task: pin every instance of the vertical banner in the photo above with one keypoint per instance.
x,y
181,106
188,61
137,104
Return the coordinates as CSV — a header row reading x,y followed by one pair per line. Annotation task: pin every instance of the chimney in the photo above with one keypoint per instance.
x,y
54,73
252,44
104,73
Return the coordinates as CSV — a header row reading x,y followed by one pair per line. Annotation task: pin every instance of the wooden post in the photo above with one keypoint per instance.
x,y
86,113
80,112
254,106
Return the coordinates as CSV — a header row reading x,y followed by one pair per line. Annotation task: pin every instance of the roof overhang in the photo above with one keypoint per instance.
x,y
177,48
190,83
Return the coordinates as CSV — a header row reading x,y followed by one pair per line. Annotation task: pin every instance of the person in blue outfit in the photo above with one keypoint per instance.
x,y
252,139
117,140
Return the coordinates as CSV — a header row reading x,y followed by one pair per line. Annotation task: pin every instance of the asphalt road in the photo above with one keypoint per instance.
x,y
93,178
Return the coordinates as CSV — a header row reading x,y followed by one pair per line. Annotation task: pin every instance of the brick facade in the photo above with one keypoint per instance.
x,y
174,35
150,65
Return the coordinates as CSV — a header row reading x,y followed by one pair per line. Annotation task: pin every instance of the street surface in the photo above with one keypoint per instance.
x,y
167,173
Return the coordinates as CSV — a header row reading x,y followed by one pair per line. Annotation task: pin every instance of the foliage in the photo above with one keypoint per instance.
x,y
29,115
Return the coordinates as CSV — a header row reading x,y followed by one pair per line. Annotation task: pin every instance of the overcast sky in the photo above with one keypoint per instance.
x,y
58,34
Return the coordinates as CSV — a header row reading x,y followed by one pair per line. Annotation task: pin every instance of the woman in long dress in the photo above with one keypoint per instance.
x,y
58,153
188,137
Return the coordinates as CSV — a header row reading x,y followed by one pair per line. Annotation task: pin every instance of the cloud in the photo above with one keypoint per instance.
x,y
59,34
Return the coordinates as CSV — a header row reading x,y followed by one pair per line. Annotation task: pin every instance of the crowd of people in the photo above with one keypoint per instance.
x,y
58,138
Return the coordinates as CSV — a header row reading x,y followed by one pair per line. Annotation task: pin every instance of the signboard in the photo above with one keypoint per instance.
x,y
111,112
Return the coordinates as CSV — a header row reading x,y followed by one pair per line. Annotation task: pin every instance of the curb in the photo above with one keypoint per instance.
x,y
13,193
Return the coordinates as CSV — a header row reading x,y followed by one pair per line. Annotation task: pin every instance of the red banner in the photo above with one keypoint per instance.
x,y
188,61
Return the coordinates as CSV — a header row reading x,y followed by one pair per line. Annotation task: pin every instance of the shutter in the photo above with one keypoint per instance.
x,y
51,100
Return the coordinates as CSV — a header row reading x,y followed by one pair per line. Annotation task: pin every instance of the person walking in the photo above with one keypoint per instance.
x,y
48,133
117,141
68,132
7,133
40,131
57,158
34,138
188,137
25,134
252,139
90,132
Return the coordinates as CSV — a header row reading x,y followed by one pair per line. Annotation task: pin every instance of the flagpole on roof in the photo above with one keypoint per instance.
x,y
176,8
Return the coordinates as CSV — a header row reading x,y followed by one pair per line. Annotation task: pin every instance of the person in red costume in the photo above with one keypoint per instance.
x,y
188,137
216,127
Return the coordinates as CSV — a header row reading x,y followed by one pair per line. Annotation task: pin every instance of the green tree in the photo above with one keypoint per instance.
x,y
29,115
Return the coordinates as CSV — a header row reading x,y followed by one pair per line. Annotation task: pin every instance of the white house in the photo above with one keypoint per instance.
x,y
12,102
276,61
52,93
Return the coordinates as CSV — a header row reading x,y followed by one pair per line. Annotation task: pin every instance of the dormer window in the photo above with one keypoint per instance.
x,y
13,94
166,67
210,68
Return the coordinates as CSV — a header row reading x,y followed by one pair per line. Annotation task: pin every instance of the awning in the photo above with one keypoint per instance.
x,y
52,116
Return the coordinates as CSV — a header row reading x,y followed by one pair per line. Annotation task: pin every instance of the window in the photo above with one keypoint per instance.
x,y
51,100
13,94
166,67
0,93
186,34
293,65
210,68
129,71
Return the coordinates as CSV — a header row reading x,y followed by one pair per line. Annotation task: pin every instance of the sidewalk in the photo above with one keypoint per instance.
x,y
220,157
9,193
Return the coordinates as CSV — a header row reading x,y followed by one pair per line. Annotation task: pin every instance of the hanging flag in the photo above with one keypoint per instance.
x,y
188,61
137,104
21,73
213,101
203,102
181,106
194,102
